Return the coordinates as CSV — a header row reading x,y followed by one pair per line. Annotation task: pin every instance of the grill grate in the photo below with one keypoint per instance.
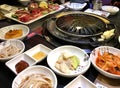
x,y
80,25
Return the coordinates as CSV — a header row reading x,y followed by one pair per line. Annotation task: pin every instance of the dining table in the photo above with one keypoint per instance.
x,y
39,35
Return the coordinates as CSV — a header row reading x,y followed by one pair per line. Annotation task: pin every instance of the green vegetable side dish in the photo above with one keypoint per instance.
x,y
67,62
75,61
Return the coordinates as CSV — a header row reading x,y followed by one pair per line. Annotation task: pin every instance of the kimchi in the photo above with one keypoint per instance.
x,y
109,62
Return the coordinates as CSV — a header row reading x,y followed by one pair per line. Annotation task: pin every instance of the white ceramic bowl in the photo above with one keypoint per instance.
x,y
111,9
101,49
119,39
76,6
82,56
24,2
16,43
25,29
38,69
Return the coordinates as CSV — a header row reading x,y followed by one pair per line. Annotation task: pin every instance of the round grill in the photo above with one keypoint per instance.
x,y
82,25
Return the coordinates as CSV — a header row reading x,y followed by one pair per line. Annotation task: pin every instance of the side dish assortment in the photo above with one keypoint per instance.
x,y
67,61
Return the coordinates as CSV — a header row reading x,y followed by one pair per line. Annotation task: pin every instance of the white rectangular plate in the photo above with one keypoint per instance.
x,y
98,12
31,21
80,82
27,57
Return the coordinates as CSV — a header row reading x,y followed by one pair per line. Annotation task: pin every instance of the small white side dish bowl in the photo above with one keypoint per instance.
x,y
37,49
10,49
76,6
80,82
33,70
83,66
99,51
22,57
111,9
25,29
119,39
24,2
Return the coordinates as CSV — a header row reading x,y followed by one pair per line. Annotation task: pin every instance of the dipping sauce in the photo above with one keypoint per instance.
x,y
39,55
21,66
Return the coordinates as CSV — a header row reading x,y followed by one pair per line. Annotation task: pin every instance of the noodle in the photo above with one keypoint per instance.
x,y
36,81
9,51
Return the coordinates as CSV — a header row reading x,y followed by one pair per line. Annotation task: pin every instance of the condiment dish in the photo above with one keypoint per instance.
x,y
11,64
38,52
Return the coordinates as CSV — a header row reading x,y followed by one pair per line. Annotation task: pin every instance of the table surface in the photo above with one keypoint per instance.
x,y
7,76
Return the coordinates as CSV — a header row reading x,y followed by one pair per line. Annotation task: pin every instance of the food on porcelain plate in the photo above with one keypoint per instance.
x,y
34,11
106,60
13,34
16,31
35,76
68,61
35,81
10,49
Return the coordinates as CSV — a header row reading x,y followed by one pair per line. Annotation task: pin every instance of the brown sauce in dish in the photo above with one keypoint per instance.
x,y
21,66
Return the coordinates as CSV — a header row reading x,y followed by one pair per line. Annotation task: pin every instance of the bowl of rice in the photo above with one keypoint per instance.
x,y
10,49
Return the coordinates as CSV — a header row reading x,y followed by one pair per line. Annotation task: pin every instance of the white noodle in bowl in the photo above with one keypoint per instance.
x,y
35,77
10,49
